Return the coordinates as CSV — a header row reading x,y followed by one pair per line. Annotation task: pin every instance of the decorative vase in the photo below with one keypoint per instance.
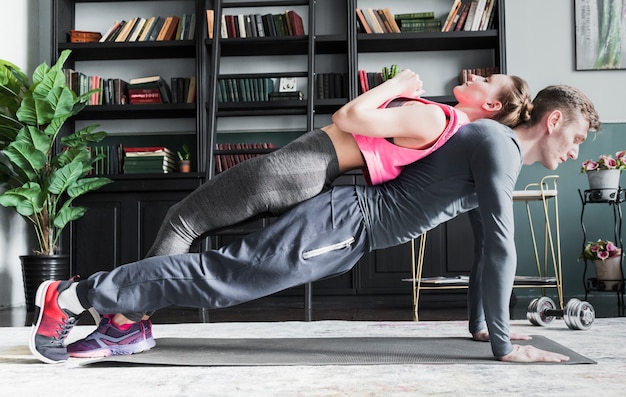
x,y
38,268
184,166
609,273
604,184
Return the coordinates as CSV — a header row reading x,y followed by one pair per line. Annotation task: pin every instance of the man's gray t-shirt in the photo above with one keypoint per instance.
x,y
477,168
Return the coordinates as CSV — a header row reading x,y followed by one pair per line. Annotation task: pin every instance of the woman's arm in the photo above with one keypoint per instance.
x,y
418,121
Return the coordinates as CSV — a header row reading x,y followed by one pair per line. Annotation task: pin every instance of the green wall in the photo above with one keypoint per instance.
x,y
598,217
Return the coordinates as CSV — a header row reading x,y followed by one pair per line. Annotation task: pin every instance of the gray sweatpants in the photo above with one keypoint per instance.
x,y
272,183
323,237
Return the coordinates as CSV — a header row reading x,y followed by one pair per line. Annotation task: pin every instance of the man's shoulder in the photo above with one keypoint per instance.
x,y
488,126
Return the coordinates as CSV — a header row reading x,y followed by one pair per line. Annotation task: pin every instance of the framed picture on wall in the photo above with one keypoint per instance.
x,y
600,34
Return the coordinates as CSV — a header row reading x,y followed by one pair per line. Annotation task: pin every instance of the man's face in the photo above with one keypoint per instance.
x,y
564,141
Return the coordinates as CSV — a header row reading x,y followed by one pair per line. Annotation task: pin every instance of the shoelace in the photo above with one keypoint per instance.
x,y
65,329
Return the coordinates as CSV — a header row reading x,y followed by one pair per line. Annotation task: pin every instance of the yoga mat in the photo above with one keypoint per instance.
x,y
324,351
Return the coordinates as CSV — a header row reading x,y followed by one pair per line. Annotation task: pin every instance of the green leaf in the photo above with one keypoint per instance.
x,y
62,178
85,185
27,199
67,214
84,136
26,158
27,113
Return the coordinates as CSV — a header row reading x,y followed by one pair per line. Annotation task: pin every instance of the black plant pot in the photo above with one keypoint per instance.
x,y
38,268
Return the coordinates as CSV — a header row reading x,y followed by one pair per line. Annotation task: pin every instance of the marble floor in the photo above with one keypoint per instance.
x,y
22,375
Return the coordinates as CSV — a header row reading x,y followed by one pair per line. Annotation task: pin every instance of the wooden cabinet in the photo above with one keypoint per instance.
x,y
123,217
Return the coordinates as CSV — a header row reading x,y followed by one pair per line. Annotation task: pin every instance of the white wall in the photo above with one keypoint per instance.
x,y
19,35
540,47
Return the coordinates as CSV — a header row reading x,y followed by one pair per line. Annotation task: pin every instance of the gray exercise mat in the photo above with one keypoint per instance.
x,y
324,351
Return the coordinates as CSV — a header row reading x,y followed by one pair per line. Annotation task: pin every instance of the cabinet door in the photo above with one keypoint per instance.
x,y
121,223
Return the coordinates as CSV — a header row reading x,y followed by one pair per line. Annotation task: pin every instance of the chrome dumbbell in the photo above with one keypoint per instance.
x,y
577,314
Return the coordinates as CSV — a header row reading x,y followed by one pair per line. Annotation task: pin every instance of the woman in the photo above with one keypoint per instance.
x,y
277,181
379,131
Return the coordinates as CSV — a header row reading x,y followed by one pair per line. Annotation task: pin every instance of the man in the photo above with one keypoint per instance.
x,y
327,235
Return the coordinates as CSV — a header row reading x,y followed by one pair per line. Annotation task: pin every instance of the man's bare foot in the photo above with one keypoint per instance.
x,y
483,336
530,354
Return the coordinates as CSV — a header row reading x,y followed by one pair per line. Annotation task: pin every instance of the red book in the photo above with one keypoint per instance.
x,y
295,21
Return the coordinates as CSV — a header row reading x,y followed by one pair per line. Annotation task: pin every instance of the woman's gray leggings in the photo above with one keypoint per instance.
x,y
271,183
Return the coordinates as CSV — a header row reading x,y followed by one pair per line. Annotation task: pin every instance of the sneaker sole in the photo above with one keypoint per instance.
x,y
40,298
116,350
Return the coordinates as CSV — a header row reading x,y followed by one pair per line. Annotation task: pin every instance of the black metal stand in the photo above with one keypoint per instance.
x,y
616,197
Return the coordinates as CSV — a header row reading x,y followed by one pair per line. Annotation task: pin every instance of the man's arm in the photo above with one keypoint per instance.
x,y
495,166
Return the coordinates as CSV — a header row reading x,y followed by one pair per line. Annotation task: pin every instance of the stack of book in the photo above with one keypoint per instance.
x,y
150,89
418,22
157,159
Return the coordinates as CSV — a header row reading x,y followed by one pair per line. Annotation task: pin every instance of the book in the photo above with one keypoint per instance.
x,y
146,79
150,83
82,36
168,31
463,16
480,8
147,29
164,28
295,22
191,94
123,35
365,27
415,15
156,28
453,11
120,92
210,17
391,20
470,16
116,31
192,27
137,29
109,31
487,15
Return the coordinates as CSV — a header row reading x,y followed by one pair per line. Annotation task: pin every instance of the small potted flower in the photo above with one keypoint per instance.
x,y
184,159
603,175
607,259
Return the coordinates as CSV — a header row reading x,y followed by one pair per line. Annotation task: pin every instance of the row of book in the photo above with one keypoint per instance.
x,y
369,80
116,91
253,89
470,15
155,28
331,85
237,153
376,21
244,89
288,23
119,159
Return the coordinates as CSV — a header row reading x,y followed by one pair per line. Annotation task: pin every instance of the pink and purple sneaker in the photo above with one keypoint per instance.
x,y
109,340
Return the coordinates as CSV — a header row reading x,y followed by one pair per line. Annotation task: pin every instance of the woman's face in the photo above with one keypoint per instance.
x,y
479,90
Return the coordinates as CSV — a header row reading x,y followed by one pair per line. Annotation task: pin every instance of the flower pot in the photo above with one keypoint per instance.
x,y
38,268
184,166
604,184
609,273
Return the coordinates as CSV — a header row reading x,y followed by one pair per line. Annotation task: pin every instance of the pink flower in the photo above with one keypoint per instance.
x,y
589,165
601,249
606,162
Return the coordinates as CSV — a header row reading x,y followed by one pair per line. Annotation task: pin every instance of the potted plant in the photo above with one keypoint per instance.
x,y
41,175
184,159
607,259
603,175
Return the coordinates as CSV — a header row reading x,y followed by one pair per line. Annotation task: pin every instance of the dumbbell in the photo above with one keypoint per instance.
x,y
577,314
